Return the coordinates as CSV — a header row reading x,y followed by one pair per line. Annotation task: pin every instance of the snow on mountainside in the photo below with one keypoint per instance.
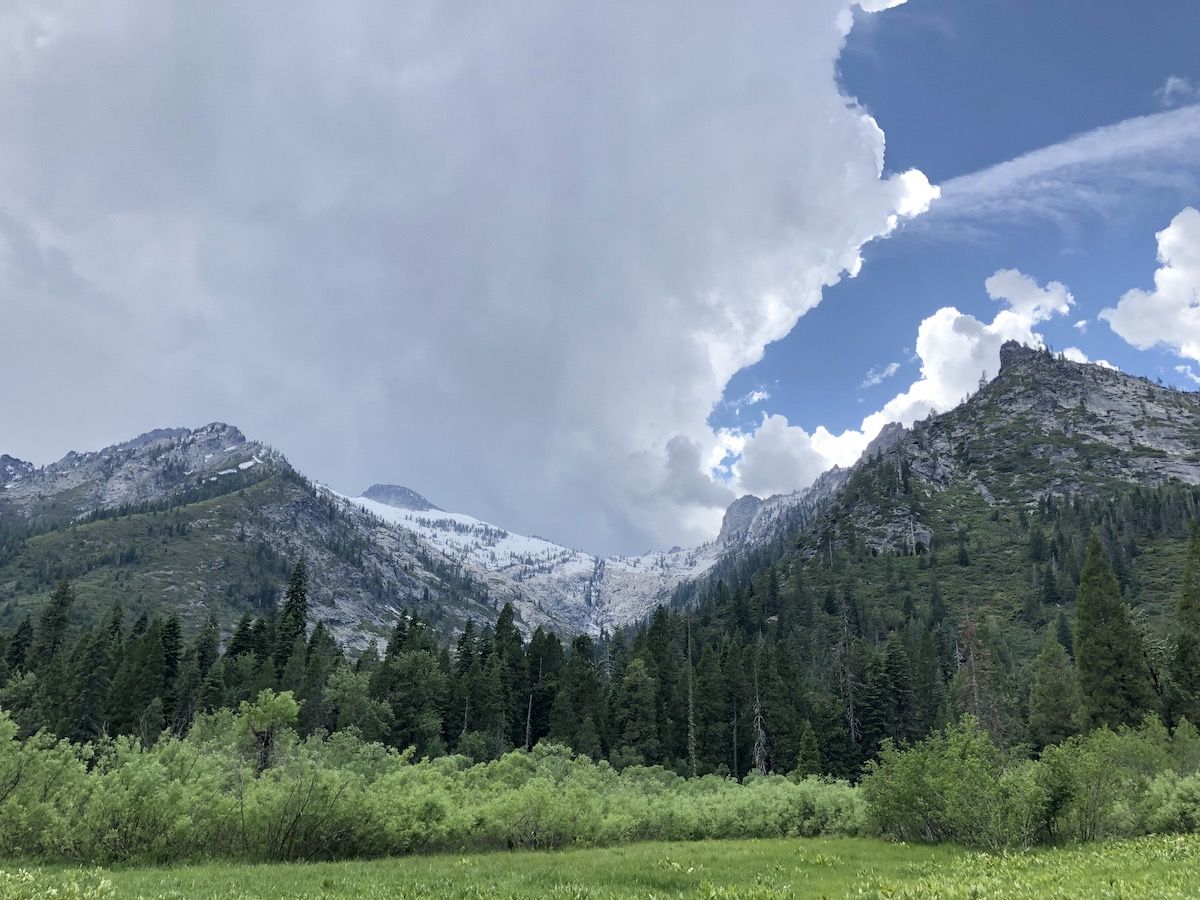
x,y
558,587
232,501
144,469
13,469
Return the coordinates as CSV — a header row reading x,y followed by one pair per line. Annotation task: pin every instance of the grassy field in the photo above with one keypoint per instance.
x,y
1158,867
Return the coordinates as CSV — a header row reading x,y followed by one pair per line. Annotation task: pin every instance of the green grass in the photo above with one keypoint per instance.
x,y
1159,867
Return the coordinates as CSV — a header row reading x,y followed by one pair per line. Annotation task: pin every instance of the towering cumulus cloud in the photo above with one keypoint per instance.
x,y
509,252
1170,314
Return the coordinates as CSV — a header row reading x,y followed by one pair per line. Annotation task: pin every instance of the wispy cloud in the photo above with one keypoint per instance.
x,y
878,374
1177,90
1095,171
1187,372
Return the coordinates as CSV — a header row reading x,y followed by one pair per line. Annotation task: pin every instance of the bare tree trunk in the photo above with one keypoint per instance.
x,y
760,733
529,724
847,673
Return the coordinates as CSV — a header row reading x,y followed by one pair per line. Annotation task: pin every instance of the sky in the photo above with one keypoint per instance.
x,y
588,272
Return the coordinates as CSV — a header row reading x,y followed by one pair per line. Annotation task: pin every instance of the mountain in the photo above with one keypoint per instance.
x,y
205,521
1043,427
573,592
398,496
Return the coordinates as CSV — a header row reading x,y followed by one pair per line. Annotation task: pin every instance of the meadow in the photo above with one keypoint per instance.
x,y
1150,867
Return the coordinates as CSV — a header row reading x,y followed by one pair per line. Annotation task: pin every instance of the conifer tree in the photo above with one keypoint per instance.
x,y
808,758
1053,698
52,625
91,677
1185,662
293,618
1114,681
18,647
636,717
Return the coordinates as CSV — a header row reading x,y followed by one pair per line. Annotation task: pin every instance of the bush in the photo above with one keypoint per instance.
x,y
954,786
957,786
243,787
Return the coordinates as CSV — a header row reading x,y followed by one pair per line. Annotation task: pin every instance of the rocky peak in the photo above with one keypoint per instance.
x,y
146,468
891,434
738,519
1014,353
399,496
12,468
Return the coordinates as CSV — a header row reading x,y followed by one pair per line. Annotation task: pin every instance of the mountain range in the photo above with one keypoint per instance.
x,y
208,522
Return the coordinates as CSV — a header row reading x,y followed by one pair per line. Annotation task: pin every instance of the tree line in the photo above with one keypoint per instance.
x,y
772,676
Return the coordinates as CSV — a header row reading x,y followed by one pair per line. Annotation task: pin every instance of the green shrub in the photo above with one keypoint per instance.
x,y
242,786
954,786
957,786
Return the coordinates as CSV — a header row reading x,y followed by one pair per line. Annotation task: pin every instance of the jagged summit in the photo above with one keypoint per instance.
x,y
399,496
738,518
144,469
1044,426
890,435
1013,353
12,468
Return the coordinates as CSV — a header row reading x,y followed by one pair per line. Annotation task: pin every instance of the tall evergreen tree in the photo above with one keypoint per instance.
x,y
52,625
1114,681
1185,661
293,618
808,757
1053,698
91,676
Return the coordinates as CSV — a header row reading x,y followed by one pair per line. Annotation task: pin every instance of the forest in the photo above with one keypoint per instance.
x,y
794,704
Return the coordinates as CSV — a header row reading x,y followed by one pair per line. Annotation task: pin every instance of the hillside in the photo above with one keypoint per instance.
x,y
204,522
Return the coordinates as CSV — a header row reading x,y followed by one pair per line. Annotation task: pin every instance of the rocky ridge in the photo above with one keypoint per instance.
x,y
1044,426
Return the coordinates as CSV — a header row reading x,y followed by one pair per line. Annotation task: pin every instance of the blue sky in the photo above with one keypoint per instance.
x,y
960,86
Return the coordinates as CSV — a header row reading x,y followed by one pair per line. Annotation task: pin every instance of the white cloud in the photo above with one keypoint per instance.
x,y
1176,90
512,253
956,351
1187,372
1026,299
1169,315
778,458
1098,171
1074,354
878,374
756,396
1081,326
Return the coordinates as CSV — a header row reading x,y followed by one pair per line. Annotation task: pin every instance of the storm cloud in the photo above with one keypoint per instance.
x,y
509,254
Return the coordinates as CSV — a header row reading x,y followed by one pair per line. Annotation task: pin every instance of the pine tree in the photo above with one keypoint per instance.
x,y
636,717
1062,631
1185,662
206,647
1114,682
808,758
52,624
1053,698
91,677
293,618
292,675
18,647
